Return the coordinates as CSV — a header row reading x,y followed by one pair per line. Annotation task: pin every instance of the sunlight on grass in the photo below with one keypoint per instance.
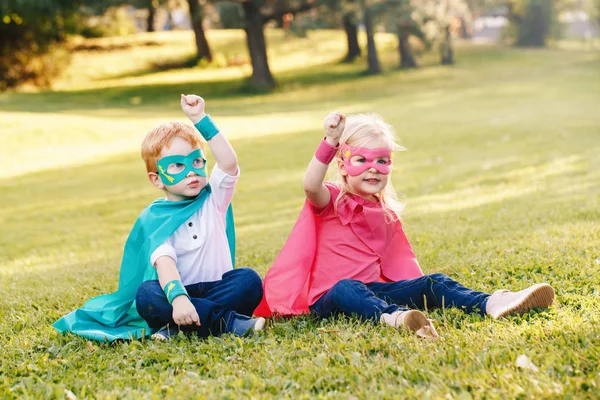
x,y
512,184
501,178
121,67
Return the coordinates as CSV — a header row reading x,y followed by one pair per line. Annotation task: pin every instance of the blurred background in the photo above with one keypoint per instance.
x,y
39,39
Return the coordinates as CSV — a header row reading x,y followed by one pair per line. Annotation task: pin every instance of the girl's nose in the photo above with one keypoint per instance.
x,y
191,173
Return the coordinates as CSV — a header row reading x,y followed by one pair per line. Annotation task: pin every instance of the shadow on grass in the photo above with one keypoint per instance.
x,y
165,95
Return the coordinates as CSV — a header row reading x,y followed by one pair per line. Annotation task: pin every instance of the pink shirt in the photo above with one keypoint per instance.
x,y
369,250
351,242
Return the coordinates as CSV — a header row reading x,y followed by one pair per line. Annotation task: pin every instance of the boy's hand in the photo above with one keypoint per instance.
x,y
184,312
334,126
193,107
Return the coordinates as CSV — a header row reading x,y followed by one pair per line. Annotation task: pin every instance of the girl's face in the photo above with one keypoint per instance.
x,y
371,181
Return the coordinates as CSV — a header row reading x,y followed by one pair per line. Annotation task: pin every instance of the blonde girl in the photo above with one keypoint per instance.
x,y
348,252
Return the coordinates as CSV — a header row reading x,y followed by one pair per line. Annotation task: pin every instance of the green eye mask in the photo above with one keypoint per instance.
x,y
173,169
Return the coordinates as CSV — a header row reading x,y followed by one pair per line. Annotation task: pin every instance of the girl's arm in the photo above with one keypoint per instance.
x,y
220,147
315,190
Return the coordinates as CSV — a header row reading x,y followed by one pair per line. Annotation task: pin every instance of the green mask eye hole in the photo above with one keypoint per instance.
x,y
173,169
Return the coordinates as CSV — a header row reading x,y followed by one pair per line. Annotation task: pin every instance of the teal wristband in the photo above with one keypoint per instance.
x,y
207,128
174,289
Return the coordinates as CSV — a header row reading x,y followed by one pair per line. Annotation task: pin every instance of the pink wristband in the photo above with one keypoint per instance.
x,y
325,152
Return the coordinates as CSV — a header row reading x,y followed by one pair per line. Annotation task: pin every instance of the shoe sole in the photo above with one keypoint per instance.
x,y
540,296
414,320
158,337
417,322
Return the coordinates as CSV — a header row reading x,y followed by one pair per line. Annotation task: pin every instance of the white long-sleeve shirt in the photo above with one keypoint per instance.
x,y
199,247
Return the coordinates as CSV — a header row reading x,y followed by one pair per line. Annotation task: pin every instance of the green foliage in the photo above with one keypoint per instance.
x,y
231,14
501,177
534,18
115,21
30,32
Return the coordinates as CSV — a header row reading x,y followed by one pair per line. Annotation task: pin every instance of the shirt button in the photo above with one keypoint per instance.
x,y
190,224
195,236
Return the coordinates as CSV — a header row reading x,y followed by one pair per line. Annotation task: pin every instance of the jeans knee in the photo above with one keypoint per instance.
x,y
342,288
250,282
146,293
439,277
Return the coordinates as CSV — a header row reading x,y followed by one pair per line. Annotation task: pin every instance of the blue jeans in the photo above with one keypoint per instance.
x,y
239,291
370,300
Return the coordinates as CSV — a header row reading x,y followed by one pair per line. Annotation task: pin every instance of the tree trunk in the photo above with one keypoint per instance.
x,y
351,36
446,51
152,5
407,60
534,28
197,15
255,39
372,59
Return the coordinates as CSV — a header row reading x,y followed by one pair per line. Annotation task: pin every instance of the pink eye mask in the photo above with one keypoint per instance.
x,y
370,156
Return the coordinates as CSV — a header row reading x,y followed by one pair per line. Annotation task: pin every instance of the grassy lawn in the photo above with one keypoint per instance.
x,y
502,180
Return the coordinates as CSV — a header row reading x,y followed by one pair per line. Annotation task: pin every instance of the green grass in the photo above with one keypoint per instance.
x,y
502,180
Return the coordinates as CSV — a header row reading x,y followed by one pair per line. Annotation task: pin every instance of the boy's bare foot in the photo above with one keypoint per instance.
x,y
413,320
503,302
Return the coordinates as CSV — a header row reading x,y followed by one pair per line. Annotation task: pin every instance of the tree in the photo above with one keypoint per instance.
x,y
197,17
440,18
372,58
533,21
256,14
350,22
152,6
29,34
446,51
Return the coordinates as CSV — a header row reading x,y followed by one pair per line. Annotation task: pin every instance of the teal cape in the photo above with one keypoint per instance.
x,y
114,316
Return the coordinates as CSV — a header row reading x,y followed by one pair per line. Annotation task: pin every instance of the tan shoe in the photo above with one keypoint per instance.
x,y
503,302
413,320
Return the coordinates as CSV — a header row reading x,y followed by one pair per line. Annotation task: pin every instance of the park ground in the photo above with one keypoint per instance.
x,y
502,186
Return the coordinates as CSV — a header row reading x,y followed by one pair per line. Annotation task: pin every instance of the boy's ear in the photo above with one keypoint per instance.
x,y
155,180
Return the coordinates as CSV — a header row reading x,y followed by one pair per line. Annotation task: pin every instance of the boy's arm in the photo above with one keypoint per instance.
x,y
316,192
220,147
184,312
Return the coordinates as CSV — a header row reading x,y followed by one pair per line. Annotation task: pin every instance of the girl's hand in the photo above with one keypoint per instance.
x,y
184,312
334,126
193,107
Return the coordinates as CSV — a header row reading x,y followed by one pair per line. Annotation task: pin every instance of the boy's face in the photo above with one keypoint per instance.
x,y
191,185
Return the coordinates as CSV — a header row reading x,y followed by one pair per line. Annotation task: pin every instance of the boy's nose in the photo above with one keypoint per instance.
x,y
191,173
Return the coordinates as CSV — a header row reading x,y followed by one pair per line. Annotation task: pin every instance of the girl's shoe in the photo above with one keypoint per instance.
x,y
503,302
413,320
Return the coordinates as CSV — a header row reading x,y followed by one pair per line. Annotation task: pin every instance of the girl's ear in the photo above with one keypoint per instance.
x,y
155,180
342,168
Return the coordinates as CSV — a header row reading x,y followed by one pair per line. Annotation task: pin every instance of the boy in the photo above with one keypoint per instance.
x,y
178,260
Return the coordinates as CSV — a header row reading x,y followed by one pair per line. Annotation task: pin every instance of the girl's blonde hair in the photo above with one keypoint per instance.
x,y
360,129
161,136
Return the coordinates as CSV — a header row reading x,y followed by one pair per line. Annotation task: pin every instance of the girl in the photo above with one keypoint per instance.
x,y
348,253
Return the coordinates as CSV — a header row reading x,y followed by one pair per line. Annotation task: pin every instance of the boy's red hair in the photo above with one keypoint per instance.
x,y
161,136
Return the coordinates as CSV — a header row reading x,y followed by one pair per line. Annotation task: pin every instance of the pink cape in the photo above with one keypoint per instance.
x,y
286,285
